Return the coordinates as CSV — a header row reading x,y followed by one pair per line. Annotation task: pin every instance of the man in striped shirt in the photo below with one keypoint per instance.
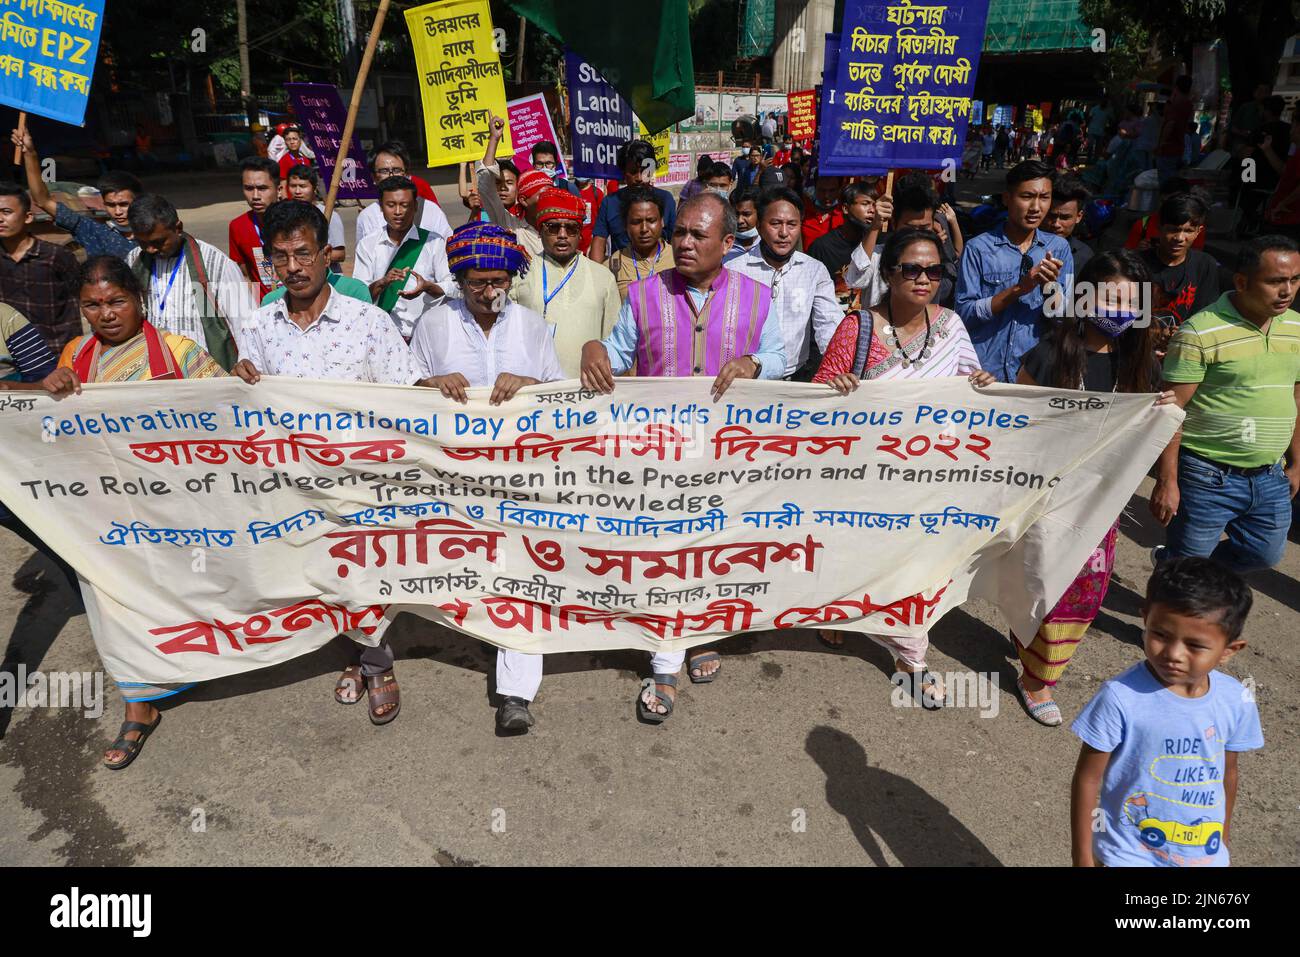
x,y
1235,466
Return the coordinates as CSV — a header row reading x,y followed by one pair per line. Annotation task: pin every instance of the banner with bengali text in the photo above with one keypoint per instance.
x,y
48,50
220,527
803,115
904,78
461,84
530,124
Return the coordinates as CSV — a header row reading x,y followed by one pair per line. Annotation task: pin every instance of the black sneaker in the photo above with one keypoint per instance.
x,y
514,717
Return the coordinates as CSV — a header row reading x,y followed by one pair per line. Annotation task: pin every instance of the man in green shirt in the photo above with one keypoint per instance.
x,y
346,286
1235,466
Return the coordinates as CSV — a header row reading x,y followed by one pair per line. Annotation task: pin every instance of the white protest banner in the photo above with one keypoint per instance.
x,y
223,527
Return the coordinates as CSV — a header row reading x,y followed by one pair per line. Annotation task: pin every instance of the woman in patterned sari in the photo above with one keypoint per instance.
x,y
125,347
1102,351
904,336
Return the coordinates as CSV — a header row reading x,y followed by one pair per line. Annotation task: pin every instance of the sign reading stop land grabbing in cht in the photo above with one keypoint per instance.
x,y
321,115
47,56
461,85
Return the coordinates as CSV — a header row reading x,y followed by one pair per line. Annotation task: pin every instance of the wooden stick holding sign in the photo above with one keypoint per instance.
x,y
889,191
22,131
357,88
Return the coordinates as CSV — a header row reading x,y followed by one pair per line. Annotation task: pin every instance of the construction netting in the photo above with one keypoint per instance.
x,y
1030,26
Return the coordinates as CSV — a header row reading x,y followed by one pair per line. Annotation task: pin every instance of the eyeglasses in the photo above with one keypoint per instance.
x,y
912,271
384,171
303,259
557,229
478,285
544,164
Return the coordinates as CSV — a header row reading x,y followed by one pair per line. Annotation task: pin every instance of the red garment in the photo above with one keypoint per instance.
x,y
288,161
817,224
843,349
1152,226
246,250
423,189
1286,184
592,197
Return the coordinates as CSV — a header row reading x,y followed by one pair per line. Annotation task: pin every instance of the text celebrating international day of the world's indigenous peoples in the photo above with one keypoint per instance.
x,y
224,527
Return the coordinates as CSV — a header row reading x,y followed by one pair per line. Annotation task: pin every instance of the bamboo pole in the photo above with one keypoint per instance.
x,y
22,131
357,89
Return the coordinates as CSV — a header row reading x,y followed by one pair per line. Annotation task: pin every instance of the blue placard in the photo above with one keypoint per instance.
x,y
47,56
600,120
903,83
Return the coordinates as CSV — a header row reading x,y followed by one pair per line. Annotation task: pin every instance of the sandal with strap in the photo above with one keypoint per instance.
x,y
932,700
1046,713
703,659
132,748
648,714
351,680
381,690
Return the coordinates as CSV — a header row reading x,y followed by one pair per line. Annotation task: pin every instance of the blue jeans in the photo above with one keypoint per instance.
x,y
1254,510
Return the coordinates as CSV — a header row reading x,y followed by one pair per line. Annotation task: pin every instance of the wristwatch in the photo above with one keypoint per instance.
x,y
758,366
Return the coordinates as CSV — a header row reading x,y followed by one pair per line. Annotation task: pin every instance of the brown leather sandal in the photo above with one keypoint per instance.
x,y
382,690
351,680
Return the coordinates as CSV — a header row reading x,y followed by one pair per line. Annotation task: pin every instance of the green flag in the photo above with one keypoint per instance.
x,y
642,49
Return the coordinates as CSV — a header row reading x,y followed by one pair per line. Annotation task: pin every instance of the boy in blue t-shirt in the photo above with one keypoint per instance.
x,y
1157,774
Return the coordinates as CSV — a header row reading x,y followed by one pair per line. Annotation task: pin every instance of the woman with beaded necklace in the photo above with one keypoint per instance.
x,y
904,336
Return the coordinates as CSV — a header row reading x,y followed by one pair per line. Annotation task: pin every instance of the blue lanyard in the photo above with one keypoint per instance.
x,y
256,228
162,302
546,298
653,268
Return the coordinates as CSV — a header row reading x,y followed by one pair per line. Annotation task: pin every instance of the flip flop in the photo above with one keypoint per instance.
x,y
830,644
703,659
132,748
377,697
647,714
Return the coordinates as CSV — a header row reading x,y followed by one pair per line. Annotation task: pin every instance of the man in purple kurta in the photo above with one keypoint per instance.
x,y
694,319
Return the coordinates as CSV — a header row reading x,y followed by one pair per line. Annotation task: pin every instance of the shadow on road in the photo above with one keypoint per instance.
x,y
883,807
49,606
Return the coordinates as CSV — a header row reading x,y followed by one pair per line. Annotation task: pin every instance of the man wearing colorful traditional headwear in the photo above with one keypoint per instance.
x,y
528,190
697,318
575,295
486,340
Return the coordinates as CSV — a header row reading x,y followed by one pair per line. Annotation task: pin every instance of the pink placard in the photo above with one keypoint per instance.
x,y
530,122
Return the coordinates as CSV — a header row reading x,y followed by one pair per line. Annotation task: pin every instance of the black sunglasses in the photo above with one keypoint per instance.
x,y
912,271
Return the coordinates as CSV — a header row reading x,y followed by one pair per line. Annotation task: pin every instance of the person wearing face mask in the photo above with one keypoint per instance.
x,y
648,252
486,340
578,297
744,200
835,249
529,189
821,212
545,157
802,291
903,336
1100,351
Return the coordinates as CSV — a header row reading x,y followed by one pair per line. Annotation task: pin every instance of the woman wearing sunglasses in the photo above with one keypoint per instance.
x,y
903,336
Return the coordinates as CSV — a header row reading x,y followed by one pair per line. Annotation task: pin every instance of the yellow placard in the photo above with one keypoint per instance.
x,y
660,141
461,86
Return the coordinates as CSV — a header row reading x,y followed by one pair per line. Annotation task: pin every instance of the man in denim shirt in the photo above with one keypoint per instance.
x,y
118,190
1003,273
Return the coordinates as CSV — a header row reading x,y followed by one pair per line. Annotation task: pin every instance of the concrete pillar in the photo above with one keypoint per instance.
x,y
801,28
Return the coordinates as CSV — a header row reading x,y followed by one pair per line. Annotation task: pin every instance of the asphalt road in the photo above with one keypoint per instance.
x,y
795,756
